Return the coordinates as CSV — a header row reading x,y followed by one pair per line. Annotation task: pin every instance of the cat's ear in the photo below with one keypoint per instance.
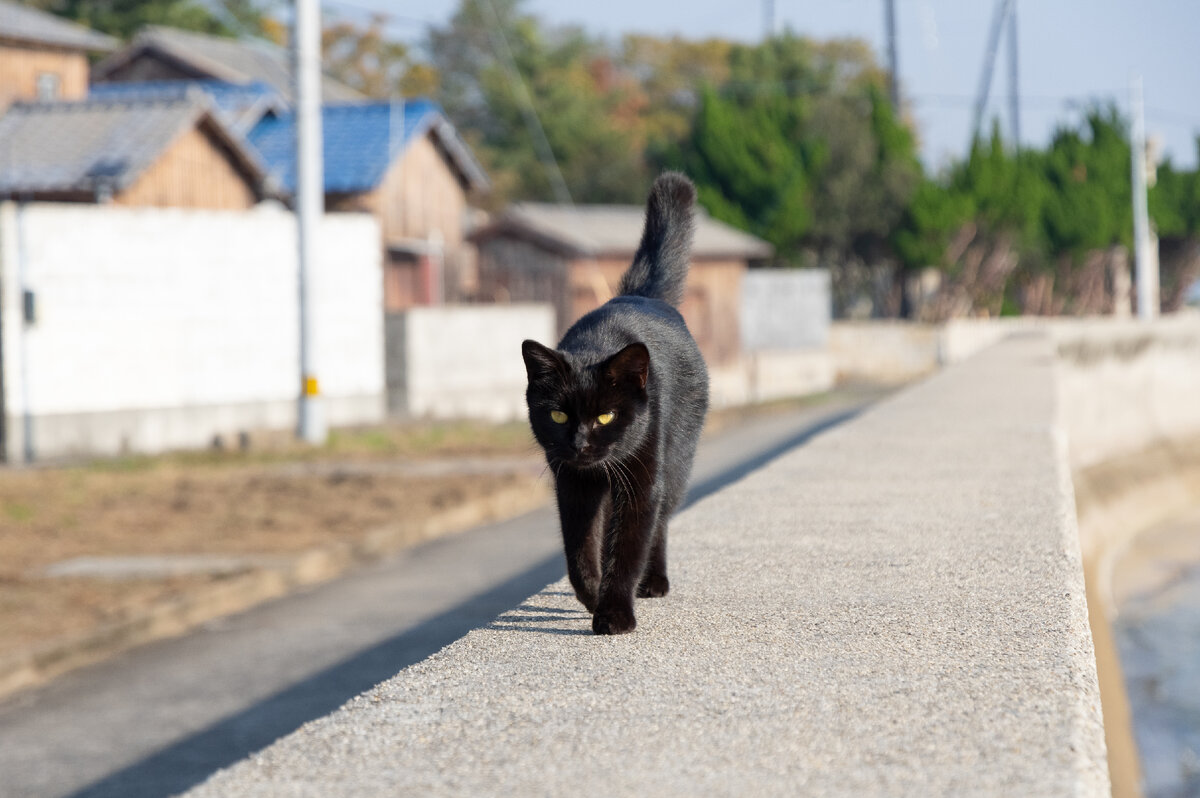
x,y
542,361
630,365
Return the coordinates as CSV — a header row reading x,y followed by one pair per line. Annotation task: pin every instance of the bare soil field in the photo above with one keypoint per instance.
x,y
275,500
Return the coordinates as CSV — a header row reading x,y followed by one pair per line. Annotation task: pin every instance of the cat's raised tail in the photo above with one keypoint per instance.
x,y
660,266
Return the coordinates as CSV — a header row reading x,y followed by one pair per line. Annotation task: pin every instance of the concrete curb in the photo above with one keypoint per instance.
x,y
234,594
895,608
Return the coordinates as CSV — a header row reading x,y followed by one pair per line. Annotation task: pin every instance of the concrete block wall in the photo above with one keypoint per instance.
x,y
159,329
463,361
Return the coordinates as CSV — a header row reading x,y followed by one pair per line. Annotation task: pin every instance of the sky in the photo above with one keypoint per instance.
x,y
1070,52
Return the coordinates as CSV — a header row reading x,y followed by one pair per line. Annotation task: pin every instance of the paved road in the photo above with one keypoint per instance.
x,y
157,720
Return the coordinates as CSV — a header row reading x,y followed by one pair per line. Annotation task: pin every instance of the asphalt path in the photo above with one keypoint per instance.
x,y
160,718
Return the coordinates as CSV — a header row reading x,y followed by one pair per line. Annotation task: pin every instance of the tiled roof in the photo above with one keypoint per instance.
x,y
360,142
239,105
614,230
26,24
219,58
97,145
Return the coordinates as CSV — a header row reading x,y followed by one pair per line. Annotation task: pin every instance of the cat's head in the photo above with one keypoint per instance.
x,y
582,414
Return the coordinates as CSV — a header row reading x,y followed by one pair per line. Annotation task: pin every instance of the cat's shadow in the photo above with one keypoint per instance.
x,y
527,618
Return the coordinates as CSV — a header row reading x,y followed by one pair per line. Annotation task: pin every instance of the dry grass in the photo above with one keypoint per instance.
x,y
278,498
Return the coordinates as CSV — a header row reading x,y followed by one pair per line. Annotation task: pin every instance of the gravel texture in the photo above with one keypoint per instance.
x,y
895,608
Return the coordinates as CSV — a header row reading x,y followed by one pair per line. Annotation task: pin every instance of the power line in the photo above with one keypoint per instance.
x,y
989,63
889,18
1014,77
377,12
528,112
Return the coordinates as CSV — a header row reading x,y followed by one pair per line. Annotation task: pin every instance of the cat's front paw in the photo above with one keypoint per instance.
x,y
654,586
587,598
613,621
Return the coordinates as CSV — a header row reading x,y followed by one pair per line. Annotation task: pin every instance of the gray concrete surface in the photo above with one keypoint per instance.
x,y
896,608
156,720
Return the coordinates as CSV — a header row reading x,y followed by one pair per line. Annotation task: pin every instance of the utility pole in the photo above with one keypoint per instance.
x,y
1145,262
889,19
1014,77
768,19
310,202
989,63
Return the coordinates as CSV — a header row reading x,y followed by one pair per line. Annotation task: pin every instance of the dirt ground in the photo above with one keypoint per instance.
x,y
277,499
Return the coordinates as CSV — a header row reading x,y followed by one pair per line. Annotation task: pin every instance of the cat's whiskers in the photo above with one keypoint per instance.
x,y
628,481
645,470
610,475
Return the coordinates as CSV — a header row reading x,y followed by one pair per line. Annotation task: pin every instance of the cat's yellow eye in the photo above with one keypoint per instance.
x,y
558,417
604,418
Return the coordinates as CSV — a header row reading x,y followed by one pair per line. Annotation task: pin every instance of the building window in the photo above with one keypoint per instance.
x,y
48,84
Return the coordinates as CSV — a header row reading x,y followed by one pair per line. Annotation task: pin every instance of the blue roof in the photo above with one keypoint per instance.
x,y
226,96
361,141
239,105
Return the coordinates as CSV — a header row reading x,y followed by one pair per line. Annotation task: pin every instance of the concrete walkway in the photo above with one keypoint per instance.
x,y
896,608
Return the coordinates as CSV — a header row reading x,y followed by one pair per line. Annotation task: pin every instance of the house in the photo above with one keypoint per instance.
x,y
573,257
168,153
404,163
166,54
239,106
44,57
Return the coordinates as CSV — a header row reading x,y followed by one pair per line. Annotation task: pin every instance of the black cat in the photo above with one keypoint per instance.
x,y
618,407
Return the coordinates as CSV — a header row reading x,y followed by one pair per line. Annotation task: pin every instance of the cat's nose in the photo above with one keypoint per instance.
x,y
581,443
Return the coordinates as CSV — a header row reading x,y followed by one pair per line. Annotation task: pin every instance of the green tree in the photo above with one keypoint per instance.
x,y
800,146
934,216
1089,198
747,168
669,75
122,18
1175,201
1175,208
361,56
566,79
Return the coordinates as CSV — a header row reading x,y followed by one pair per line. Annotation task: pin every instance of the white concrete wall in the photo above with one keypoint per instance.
x,y
770,375
784,309
898,351
1124,384
463,361
159,329
1127,385
885,352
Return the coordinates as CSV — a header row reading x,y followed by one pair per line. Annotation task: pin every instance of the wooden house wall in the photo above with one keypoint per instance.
x,y
711,303
514,270
712,306
194,172
424,194
21,64
402,283
419,194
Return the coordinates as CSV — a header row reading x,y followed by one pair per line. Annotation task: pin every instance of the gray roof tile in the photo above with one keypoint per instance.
x,y
230,60
90,145
26,24
616,229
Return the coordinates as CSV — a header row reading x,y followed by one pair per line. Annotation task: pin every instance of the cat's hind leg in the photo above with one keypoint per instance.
x,y
654,582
